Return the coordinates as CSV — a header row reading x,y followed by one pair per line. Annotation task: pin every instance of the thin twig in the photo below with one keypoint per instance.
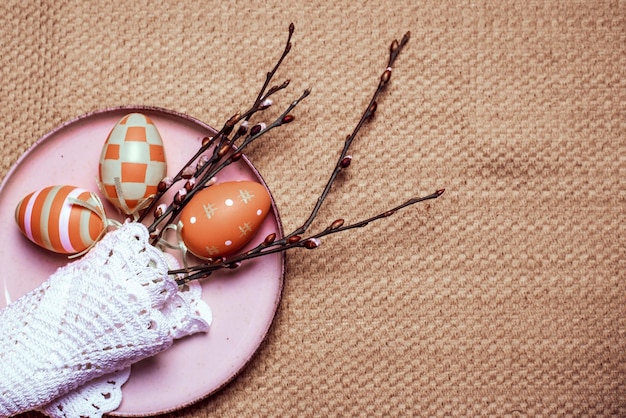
x,y
395,50
222,147
204,270
270,244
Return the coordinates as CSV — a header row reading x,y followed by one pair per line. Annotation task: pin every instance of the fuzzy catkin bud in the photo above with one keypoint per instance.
x,y
269,239
165,184
293,239
372,109
394,46
160,210
155,234
211,181
243,128
265,104
188,172
179,197
223,151
230,124
189,185
312,243
337,224
202,162
256,129
345,162
386,76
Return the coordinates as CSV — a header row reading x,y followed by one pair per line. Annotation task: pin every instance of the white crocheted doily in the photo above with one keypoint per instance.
x,y
66,347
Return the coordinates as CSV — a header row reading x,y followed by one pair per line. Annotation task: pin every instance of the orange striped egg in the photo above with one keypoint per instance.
x,y
132,162
50,219
221,219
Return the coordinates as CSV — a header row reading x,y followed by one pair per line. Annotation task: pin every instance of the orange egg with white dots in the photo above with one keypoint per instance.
x,y
222,218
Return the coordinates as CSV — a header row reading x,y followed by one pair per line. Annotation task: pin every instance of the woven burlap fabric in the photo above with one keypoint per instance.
x,y
505,297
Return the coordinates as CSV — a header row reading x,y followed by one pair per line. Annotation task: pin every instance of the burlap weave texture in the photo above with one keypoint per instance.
x,y
505,297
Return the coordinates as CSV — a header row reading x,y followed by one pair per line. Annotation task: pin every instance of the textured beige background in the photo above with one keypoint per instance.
x,y
506,297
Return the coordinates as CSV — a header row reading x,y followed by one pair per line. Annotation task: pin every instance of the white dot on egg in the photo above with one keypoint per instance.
x,y
228,243
192,220
228,202
259,212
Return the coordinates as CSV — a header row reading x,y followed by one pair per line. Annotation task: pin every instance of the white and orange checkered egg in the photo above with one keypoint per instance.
x,y
48,218
133,156
222,218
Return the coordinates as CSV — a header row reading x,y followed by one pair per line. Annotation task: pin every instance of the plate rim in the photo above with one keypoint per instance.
x,y
172,113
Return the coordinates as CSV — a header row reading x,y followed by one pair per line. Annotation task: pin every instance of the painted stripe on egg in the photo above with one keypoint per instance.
x,y
66,219
35,219
50,222
74,227
50,219
29,215
25,211
84,231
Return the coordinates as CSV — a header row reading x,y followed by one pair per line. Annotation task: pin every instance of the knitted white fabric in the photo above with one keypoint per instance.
x,y
91,320
96,397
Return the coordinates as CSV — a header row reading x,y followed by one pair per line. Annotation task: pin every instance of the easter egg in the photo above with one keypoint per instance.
x,y
132,163
222,218
50,219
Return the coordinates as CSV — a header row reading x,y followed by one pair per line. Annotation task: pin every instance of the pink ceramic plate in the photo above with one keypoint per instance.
x,y
243,301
